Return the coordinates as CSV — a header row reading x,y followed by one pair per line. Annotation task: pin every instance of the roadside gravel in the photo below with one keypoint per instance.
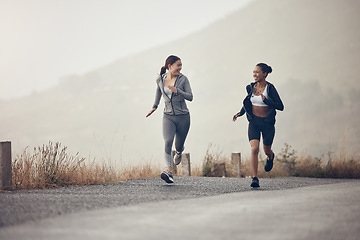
x,y
22,206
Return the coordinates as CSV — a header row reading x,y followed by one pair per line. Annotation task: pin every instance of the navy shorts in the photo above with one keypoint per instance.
x,y
257,125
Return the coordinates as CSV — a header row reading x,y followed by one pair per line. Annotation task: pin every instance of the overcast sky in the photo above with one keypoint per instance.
x,y
44,40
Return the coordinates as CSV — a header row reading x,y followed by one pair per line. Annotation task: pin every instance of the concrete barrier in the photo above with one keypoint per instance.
x,y
5,166
219,169
236,162
185,164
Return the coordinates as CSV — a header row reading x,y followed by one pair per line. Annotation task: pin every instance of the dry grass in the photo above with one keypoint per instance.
x,y
288,163
139,171
51,166
196,171
212,161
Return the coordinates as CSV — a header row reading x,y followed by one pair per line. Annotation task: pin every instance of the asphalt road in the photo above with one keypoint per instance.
x,y
192,208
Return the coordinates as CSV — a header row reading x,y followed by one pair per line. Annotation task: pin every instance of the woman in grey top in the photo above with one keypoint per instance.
x,y
175,88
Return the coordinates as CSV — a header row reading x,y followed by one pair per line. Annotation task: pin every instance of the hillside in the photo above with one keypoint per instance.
x,y
312,47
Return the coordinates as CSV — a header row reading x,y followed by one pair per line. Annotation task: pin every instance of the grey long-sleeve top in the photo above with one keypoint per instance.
x,y
175,105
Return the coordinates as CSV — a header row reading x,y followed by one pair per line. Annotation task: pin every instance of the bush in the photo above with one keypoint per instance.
x,y
288,163
51,166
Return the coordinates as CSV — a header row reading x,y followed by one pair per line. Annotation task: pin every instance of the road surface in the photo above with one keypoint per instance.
x,y
192,208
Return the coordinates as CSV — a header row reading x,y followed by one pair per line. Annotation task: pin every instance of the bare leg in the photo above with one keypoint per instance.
x,y
268,151
254,156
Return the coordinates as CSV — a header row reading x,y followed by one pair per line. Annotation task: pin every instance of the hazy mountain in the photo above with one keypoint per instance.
x,y
312,45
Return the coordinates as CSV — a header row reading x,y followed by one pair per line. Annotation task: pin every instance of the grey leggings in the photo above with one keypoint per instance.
x,y
175,126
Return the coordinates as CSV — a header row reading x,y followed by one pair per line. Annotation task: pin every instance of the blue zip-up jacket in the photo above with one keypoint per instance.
x,y
175,105
273,101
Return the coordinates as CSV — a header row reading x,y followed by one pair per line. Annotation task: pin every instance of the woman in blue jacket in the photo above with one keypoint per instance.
x,y
260,106
175,88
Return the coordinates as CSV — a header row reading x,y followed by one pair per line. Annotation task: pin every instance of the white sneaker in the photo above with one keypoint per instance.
x,y
177,158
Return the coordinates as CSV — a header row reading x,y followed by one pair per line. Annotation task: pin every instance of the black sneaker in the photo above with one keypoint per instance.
x,y
269,163
255,182
167,177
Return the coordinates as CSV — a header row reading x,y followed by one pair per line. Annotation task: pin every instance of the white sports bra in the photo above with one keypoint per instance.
x,y
167,91
257,100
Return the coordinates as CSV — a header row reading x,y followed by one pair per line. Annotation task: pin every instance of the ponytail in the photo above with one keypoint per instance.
x,y
163,70
170,60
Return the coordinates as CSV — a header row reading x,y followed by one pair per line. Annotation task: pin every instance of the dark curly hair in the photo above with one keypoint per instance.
x,y
265,68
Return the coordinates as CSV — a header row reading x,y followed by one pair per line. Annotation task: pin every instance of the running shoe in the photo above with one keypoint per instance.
x,y
177,158
255,182
167,176
269,163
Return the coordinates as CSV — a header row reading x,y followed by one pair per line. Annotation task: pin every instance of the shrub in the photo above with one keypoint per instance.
x,y
51,166
288,163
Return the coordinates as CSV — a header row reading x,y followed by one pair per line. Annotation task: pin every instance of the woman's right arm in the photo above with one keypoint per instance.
x,y
242,111
151,112
239,114
157,97
157,101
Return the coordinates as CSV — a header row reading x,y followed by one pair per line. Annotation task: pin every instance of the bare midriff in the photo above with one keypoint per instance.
x,y
260,111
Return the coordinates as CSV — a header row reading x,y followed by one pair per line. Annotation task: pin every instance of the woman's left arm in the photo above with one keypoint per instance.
x,y
274,101
187,93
